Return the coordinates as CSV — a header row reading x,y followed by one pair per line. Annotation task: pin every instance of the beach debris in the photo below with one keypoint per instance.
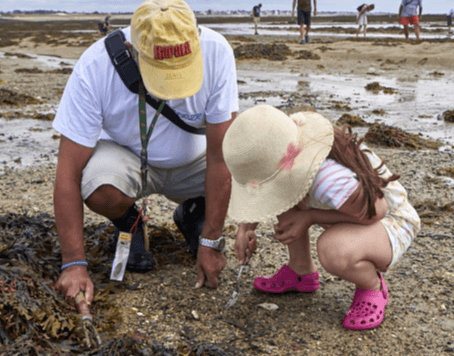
x,y
341,106
195,315
300,108
12,98
379,112
423,61
18,55
10,115
306,55
273,52
437,74
33,70
448,116
268,306
376,87
351,120
381,134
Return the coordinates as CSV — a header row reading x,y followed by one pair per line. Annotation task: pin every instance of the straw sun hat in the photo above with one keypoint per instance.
x,y
273,159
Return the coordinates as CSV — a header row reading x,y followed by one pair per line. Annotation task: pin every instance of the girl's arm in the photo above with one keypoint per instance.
x,y
353,211
296,221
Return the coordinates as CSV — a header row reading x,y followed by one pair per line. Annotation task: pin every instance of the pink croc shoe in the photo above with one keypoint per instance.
x,y
286,280
367,309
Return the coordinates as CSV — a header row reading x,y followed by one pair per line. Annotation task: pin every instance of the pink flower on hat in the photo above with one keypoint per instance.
x,y
288,160
253,187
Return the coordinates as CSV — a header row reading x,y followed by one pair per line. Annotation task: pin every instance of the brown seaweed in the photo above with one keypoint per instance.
x,y
389,136
274,52
35,320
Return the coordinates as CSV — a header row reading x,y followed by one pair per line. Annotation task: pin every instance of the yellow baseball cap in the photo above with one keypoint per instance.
x,y
165,34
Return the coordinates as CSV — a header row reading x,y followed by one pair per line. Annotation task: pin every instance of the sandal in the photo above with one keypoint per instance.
x,y
367,309
286,280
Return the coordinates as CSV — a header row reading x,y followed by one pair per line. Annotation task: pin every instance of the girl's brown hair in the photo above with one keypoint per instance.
x,y
346,151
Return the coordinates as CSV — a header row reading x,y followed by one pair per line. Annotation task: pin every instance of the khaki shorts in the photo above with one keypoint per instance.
x,y
116,165
256,20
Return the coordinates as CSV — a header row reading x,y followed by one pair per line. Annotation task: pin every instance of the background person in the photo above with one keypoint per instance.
x,y
408,14
304,17
256,16
99,162
102,28
449,19
361,19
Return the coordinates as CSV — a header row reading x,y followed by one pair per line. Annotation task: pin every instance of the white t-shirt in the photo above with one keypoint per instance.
x,y
97,105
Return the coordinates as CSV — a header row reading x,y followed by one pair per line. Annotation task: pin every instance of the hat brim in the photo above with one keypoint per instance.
x,y
175,83
263,202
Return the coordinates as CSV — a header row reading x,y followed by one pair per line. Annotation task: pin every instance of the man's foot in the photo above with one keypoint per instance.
x,y
302,42
139,259
307,39
189,216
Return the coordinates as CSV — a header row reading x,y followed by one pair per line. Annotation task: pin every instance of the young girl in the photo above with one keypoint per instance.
x,y
361,19
302,171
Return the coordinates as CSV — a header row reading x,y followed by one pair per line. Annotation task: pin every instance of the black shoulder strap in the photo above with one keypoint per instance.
x,y
129,74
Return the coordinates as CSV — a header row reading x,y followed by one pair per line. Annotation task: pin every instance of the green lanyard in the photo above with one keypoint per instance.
x,y
145,137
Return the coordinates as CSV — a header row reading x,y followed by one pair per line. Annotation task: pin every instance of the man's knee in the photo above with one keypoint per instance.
x,y
108,197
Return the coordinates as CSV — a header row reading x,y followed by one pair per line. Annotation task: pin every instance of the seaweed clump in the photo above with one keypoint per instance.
x,y
448,116
376,87
9,97
35,320
273,52
351,120
390,136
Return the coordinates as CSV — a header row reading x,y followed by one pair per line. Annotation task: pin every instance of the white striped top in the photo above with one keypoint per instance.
x,y
332,186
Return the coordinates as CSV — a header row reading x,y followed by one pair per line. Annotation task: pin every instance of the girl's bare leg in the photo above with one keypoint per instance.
x,y
354,252
300,256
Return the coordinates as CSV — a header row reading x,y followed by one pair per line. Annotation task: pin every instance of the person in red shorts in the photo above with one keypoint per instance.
x,y
408,14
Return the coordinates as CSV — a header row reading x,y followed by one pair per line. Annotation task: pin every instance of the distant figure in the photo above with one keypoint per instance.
x,y
361,20
449,19
102,28
408,14
256,16
107,22
304,17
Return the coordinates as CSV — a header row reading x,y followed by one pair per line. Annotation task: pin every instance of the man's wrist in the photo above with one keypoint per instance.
x,y
217,244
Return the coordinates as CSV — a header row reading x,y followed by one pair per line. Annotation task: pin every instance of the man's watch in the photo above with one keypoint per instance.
x,y
214,244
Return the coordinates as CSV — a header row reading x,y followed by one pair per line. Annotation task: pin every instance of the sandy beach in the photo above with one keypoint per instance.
x,y
330,74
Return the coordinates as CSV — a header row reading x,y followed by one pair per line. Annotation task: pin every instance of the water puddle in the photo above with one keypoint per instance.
x,y
415,106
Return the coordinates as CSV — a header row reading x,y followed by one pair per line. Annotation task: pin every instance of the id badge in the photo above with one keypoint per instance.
x,y
121,256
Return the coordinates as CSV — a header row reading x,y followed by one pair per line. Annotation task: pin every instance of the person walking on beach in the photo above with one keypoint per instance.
x,y
115,148
304,17
256,16
449,19
302,171
361,19
408,14
102,28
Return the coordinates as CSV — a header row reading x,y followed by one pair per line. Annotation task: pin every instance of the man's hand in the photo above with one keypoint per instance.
x,y
73,280
210,263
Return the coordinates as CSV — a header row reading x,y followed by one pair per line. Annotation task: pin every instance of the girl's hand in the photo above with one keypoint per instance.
x,y
292,225
245,243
